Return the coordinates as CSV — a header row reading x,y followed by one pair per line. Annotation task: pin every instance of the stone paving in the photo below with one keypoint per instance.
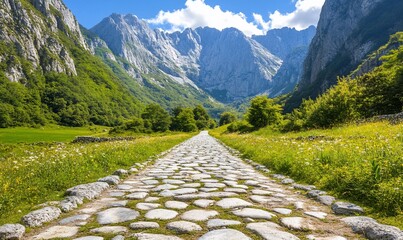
x,y
199,190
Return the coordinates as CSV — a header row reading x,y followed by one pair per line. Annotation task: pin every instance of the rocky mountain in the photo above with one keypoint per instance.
x,y
282,42
347,32
54,70
226,64
291,46
34,36
233,66
47,73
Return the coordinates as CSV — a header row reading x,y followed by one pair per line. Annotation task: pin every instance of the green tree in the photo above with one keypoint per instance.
x,y
185,121
156,118
76,115
201,116
6,112
227,118
135,125
263,111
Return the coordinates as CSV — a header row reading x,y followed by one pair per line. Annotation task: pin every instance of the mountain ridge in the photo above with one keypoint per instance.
x,y
202,56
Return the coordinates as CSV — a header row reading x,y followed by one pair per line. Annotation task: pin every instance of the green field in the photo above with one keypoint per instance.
x,y
33,173
359,163
47,134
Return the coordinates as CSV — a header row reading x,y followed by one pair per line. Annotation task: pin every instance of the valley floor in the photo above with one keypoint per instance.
x,y
361,163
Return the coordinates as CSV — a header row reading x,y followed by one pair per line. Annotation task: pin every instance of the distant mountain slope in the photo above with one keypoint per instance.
x,y
145,60
233,66
347,32
226,64
47,73
291,46
282,42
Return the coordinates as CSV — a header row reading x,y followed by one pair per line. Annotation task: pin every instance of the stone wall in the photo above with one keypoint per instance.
x,y
85,139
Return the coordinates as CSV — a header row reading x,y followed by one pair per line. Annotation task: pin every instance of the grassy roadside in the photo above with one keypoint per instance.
x,y
32,174
52,133
360,163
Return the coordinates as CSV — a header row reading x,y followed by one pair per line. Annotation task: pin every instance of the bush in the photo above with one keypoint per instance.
x,y
156,118
227,118
135,125
338,105
184,120
202,118
240,126
263,111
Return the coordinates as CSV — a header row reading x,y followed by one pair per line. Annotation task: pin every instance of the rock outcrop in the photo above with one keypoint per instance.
x,y
347,32
32,38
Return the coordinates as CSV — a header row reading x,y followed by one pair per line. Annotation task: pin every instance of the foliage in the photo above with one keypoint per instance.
x,y
361,163
36,173
375,93
227,118
263,111
240,126
59,98
202,118
337,106
156,118
184,120
135,125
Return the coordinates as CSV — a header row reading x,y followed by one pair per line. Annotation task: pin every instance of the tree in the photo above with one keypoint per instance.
x,y
263,111
201,116
156,118
227,118
75,115
184,121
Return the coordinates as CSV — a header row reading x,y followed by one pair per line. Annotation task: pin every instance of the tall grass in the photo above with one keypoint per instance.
x,y
362,163
31,174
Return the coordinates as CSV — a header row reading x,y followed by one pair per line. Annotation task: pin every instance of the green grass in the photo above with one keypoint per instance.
x,y
360,163
47,134
32,174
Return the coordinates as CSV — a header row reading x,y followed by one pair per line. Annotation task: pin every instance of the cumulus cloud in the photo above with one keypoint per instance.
x,y
198,14
307,13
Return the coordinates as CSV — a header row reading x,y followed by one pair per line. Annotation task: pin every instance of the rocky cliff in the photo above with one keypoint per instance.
x,y
34,37
233,66
48,74
291,46
347,32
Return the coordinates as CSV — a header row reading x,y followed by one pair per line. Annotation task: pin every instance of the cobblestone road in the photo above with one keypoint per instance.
x,y
199,190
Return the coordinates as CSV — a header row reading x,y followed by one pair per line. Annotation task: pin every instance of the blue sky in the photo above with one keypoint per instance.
x,y
251,17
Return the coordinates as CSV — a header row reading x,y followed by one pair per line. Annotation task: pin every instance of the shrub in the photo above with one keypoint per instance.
x,y
184,121
202,118
263,111
338,105
227,118
240,126
156,118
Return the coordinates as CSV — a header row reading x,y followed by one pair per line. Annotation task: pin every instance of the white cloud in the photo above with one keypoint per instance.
x,y
198,14
307,13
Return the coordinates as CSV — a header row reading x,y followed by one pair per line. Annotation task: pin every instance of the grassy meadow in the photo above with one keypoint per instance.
x,y
41,169
360,163
52,133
